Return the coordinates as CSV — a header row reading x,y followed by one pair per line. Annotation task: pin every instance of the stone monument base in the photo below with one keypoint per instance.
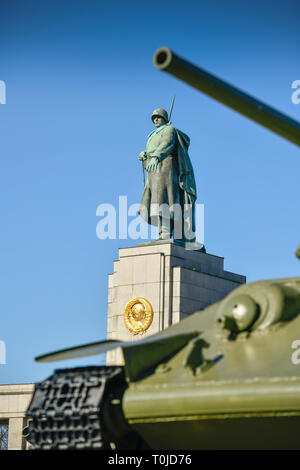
x,y
176,281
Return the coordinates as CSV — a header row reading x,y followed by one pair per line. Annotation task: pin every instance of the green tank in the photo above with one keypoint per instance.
x,y
226,377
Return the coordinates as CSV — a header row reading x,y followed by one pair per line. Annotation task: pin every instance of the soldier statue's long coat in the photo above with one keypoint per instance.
x,y
173,181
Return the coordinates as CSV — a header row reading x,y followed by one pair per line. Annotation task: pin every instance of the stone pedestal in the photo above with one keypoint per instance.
x,y
176,281
15,436
14,401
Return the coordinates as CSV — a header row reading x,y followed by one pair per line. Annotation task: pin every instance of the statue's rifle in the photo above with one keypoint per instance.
x,y
171,109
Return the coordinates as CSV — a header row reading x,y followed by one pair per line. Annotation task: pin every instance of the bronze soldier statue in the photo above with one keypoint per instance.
x,y
169,196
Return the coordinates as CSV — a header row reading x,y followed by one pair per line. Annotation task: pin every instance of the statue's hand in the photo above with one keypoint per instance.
x,y
152,165
142,155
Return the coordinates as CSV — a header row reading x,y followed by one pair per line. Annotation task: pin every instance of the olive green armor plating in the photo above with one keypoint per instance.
x,y
226,377
233,384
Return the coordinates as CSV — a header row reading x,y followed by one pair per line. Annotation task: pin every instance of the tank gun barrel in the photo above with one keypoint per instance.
x,y
166,60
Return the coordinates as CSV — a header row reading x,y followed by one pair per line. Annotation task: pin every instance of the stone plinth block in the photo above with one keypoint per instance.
x,y
176,281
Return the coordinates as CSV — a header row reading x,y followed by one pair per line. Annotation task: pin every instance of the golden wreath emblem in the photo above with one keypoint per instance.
x,y
138,315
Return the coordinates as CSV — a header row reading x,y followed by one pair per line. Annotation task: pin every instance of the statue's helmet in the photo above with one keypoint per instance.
x,y
161,113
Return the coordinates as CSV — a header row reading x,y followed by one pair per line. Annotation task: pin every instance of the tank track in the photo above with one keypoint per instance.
x,y
65,411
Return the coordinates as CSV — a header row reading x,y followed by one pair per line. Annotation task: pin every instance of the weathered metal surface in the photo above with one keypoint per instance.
x,y
202,384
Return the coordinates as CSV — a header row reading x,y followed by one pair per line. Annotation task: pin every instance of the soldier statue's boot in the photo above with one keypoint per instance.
x,y
164,230
163,236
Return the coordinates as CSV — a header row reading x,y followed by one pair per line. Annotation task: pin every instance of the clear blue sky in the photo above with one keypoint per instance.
x,y
80,91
